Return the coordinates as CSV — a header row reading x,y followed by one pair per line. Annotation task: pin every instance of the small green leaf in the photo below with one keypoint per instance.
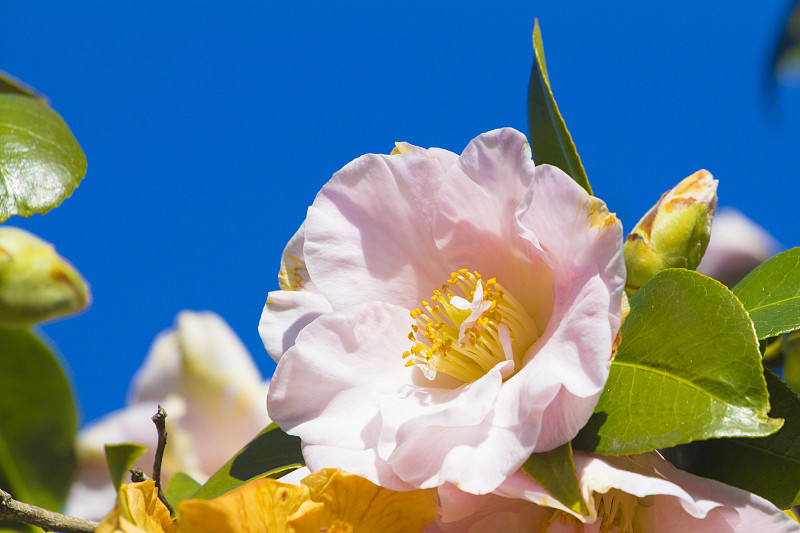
x,y
768,466
771,294
551,142
272,453
555,471
688,368
38,421
41,163
180,487
120,458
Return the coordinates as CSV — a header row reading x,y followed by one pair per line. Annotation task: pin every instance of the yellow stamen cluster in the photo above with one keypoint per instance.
x,y
616,510
464,338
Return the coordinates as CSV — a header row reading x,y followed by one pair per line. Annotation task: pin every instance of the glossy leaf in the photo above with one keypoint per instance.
x,y
181,486
38,421
551,142
120,458
41,163
688,368
771,294
768,466
272,453
555,471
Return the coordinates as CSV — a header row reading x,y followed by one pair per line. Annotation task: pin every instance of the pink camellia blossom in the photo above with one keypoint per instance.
x,y
442,317
625,494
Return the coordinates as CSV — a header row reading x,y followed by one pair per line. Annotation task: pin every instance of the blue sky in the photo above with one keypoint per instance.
x,y
210,126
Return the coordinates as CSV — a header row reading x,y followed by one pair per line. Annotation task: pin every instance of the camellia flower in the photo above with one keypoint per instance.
x,y
442,316
214,397
625,494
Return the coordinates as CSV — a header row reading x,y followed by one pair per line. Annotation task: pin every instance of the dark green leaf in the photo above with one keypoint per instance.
x,y
38,421
180,487
768,466
41,163
10,84
555,471
688,369
771,294
120,458
551,142
272,453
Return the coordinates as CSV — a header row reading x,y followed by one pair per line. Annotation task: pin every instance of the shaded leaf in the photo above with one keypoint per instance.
x,y
771,294
768,466
272,453
41,163
555,471
120,458
38,421
551,142
181,486
688,368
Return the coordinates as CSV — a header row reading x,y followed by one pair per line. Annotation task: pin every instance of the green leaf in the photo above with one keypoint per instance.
x,y
688,368
272,453
768,466
38,421
180,487
771,294
551,142
555,471
120,458
41,163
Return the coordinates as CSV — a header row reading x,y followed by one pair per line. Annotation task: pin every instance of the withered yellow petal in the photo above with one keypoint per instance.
x,y
259,506
344,503
138,510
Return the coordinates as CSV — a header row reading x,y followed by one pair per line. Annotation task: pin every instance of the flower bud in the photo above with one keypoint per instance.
x,y
36,283
674,233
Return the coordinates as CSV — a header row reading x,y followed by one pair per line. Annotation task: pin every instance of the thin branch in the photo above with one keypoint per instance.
x,y
159,419
11,509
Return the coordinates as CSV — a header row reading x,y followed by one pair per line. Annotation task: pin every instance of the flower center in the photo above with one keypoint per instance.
x,y
616,511
468,328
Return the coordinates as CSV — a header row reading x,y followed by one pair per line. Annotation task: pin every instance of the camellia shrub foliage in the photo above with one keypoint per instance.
x,y
464,343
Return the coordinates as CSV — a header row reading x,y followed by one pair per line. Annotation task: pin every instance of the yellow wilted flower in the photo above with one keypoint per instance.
x,y
329,500
344,502
138,510
260,505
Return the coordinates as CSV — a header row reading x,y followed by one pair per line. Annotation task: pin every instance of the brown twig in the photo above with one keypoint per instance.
x,y
137,475
11,509
159,419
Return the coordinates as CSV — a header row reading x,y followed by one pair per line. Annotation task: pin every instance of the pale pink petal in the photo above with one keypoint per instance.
x,y
368,233
444,158
669,500
366,462
285,314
